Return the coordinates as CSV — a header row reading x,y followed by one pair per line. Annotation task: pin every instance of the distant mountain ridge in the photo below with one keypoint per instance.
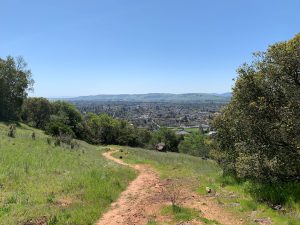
x,y
157,97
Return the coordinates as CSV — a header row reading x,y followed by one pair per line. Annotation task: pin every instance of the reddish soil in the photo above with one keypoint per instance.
x,y
145,196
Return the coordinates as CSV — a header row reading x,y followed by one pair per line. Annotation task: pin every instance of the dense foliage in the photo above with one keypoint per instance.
x,y
259,131
195,145
168,138
62,119
65,118
15,81
36,112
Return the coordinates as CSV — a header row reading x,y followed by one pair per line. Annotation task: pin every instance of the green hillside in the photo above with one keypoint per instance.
x,y
40,182
159,97
196,174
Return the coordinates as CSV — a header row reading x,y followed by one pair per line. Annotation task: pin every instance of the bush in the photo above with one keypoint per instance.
x,y
58,126
103,129
12,128
36,112
33,136
49,140
57,142
194,144
64,139
166,136
259,130
74,144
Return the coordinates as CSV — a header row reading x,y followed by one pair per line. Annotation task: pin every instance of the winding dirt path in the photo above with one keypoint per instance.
x,y
145,196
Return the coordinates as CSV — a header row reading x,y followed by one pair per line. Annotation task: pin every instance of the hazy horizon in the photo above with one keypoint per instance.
x,y
138,47
212,93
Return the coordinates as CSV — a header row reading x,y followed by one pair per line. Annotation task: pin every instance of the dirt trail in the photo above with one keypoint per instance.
x,y
145,196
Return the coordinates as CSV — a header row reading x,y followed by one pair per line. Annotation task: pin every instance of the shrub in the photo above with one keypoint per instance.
x,y
33,135
259,130
74,144
166,136
173,191
49,141
57,142
194,144
58,126
36,112
12,128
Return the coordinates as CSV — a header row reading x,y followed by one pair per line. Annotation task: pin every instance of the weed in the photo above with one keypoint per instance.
x,y
49,141
53,221
11,200
51,198
248,205
180,214
12,128
33,135
173,191
57,142
152,222
26,167
74,144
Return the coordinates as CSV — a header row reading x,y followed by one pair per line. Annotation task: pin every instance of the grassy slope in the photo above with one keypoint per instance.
x,y
65,186
200,174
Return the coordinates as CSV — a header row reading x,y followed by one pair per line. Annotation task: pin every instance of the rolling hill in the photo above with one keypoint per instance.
x,y
158,97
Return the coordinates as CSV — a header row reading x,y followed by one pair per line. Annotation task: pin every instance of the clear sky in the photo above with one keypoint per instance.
x,y
84,47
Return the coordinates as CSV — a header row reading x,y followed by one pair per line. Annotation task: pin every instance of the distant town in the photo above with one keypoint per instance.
x,y
153,115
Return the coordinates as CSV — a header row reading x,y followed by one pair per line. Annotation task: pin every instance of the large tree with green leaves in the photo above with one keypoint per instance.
x,y
259,131
15,81
36,112
65,119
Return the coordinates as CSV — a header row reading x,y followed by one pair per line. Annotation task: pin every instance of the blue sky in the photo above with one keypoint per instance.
x,y
77,47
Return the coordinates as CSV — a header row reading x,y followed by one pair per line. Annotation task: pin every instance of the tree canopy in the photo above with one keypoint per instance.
x,y
36,112
259,130
15,81
194,144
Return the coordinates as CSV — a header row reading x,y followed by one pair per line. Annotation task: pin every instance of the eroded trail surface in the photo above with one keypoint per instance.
x,y
145,196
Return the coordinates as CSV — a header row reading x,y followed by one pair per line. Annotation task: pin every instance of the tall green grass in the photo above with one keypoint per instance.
x,y
63,185
172,164
287,194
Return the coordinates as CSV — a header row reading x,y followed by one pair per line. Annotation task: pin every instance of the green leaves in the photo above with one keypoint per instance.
x,y
194,144
15,81
259,131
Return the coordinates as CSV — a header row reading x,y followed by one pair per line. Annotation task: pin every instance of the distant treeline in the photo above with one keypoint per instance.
x,y
64,121
159,97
